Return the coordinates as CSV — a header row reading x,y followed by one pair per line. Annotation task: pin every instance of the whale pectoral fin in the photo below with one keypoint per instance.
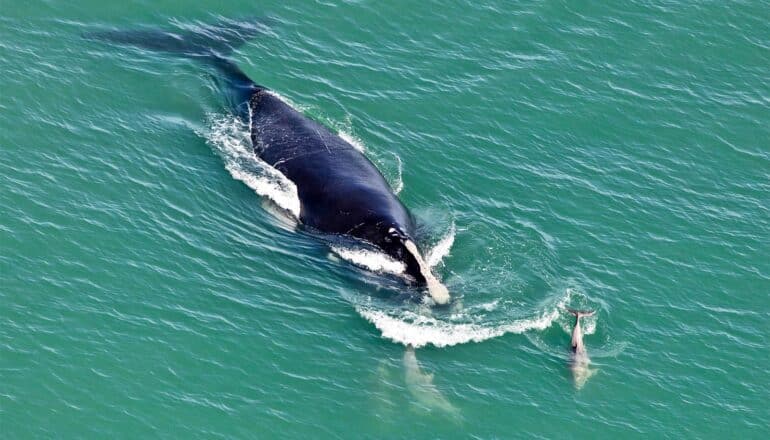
x,y
436,289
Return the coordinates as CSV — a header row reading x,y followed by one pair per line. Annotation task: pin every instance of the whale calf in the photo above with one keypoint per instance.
x,y
340,190
579,360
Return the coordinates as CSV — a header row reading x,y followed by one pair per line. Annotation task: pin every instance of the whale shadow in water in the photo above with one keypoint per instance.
x,y
425,393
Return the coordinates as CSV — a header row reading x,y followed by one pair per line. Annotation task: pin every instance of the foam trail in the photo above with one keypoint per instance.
x,y
418,329
441,249
230,138
370,259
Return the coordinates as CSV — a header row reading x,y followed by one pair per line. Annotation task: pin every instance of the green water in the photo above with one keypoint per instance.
x,y
607,156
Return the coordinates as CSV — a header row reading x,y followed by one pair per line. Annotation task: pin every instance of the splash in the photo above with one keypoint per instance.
x,y
352,140
580,302
589,324
229,137
420,330
289,102
398,184
441,249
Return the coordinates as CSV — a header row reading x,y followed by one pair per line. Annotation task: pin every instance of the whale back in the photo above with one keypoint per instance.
x,y
340,190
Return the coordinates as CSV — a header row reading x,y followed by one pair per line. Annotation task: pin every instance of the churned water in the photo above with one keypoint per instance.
x,y
154,282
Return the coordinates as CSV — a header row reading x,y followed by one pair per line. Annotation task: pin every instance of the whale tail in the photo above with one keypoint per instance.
x,y
581,313
205,41
212,44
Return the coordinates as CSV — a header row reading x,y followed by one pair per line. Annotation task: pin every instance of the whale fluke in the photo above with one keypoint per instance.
x,y
211,44
191,40
581,313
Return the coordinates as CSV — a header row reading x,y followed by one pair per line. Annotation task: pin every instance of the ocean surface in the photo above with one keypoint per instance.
x,y
615,156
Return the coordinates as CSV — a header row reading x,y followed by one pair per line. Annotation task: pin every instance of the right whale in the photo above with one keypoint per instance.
x,y
340,190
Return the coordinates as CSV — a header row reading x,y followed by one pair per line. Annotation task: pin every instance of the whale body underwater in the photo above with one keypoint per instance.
x,y
339,189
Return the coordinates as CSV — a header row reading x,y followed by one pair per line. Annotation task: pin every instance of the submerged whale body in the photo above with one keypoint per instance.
x,y
340,190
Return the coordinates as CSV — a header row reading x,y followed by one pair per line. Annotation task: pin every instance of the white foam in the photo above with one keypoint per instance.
x,y
372,260
352,140
230,138
589,324
398,185
420,330
289,102
441,249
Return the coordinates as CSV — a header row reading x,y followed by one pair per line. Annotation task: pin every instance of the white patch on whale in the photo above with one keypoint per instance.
x,y
372,260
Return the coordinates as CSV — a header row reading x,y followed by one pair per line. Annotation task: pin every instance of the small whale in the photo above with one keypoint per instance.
x,y
579,360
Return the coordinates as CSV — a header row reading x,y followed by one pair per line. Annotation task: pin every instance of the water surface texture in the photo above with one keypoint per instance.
x,y
615,157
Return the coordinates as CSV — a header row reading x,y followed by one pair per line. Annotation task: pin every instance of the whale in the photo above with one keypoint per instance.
x,y
580,363
341,192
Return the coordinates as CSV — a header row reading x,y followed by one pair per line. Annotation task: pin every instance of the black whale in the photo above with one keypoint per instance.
x,y
340,190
